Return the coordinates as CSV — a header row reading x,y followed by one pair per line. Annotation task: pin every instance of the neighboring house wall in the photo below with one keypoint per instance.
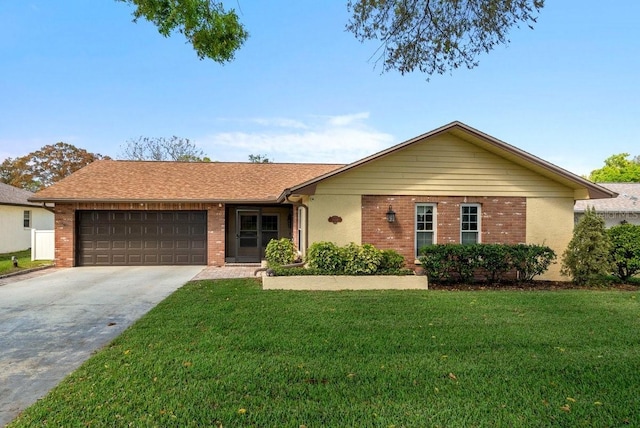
x,y
624,208
65,219
517,204
16,237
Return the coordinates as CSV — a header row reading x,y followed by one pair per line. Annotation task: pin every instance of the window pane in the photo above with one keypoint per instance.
x,y
423,239
469,237
270,223
268,236
27,219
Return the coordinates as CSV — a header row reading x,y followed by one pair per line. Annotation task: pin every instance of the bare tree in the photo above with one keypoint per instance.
x,y
162,149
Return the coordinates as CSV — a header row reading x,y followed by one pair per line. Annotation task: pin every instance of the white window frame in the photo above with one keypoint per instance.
x,y
478,222
27,219
434,224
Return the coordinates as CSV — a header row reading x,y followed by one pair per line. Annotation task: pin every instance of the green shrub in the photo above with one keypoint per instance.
x,y
296,271
329,259
392,262
491,262
587,259
494,260
466,259
530,260
361,259
326,257
437,262
280,252
625,250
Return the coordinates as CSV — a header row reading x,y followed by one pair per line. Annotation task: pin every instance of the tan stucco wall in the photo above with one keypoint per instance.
x,y
550,222
348,207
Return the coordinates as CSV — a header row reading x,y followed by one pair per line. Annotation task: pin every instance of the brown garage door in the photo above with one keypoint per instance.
x,y
141,238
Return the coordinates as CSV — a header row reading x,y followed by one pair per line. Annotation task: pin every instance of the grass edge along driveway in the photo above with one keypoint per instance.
x,y
226,353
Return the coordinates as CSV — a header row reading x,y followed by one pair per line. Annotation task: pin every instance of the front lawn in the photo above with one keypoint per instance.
x,y
226,353
24,262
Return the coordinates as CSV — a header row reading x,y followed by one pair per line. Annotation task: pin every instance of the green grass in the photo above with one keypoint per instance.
x,y
24,262
226,353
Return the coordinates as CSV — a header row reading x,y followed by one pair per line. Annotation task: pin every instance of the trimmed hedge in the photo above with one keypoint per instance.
x,y
484,262
327,258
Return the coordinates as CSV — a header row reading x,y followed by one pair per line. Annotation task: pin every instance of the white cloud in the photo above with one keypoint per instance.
x,y
327,139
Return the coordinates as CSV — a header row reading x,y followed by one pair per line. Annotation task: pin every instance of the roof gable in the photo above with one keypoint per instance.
x,y
581,188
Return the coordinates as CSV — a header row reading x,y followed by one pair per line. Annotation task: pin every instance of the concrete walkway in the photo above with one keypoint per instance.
x,y
51,321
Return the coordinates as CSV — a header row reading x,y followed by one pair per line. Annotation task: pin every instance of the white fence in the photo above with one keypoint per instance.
x,y
42,244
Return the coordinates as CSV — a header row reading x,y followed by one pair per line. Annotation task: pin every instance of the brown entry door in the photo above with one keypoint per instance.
x,y
247,236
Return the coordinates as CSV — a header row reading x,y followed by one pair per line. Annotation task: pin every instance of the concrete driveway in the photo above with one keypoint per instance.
x,y
52,322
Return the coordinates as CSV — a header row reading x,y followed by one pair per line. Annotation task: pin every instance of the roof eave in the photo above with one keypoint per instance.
x,y
154,201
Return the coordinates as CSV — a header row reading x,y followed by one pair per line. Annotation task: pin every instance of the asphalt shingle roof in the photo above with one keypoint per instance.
x,y
628,199
10,195
110,180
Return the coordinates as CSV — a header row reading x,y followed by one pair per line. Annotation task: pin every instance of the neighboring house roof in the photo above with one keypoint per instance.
x,y
628,199
586,189
152,181
10,195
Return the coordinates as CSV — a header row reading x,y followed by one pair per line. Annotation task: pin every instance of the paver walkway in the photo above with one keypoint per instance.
x,y
229,271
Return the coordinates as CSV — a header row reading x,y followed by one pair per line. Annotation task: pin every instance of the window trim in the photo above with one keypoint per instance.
x,y
434,225
27,219
478,231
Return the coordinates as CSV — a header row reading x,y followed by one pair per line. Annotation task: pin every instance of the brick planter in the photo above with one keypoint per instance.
x,y
344,282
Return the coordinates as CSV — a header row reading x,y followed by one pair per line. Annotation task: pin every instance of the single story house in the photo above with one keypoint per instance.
x,y
18,216
623,208
452,184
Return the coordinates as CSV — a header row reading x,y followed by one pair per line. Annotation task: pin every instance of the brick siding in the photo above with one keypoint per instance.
x,y
503,221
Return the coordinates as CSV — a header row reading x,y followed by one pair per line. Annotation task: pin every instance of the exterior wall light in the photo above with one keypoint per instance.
x,y
391,215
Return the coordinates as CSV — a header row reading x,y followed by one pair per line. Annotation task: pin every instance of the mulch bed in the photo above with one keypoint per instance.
x,y
530,286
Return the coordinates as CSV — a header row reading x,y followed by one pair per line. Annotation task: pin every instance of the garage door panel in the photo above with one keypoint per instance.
x,y
198,245
151,245
141,237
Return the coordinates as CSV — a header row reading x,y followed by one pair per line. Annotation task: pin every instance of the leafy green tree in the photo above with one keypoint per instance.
x,y
618,169
432,36
44,167
625,250
437,36
587,259
213,31
162,149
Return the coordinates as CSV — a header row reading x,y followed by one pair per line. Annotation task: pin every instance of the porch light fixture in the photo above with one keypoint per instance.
x,y
391,215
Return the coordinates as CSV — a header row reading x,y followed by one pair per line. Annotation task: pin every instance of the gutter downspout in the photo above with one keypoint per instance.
x,y
306,218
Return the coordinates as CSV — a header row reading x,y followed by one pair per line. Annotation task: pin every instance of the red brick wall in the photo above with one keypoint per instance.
x,y
65,215
503,220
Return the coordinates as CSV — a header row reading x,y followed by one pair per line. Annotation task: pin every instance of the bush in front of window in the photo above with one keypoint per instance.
x,y
280,252
484,262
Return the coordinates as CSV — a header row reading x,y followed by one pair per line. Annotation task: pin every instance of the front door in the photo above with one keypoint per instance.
x,y
247,236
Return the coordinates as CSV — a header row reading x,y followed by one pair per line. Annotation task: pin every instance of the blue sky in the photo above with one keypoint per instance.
x,y
304,90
